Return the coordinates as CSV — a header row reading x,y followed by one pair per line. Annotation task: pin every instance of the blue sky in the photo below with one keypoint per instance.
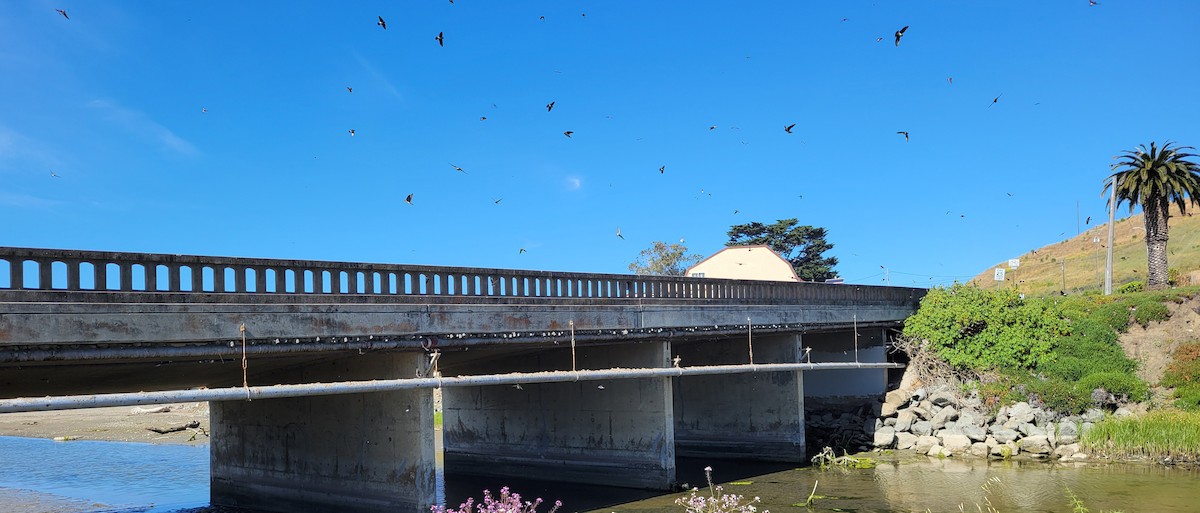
x,y
222,128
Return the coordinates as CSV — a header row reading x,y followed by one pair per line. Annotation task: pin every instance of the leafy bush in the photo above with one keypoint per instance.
x,y
1116,383
1131,287
1184,368
987,329
1174,276
1188,397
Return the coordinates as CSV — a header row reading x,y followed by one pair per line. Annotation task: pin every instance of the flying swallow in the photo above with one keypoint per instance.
x,y
994,100
349,89
788,128
64,13
662,169
549,106
899,34
568,133
351,132
409,199
521,251
619,233
456,168
905,134
382,23
440,39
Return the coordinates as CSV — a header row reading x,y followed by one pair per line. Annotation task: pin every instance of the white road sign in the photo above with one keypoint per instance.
x,y
999,274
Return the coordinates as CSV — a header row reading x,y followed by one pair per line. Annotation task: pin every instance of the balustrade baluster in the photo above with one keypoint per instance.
x,y
45,274
125,283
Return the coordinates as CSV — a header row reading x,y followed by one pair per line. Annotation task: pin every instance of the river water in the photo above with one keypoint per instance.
x,y
130,477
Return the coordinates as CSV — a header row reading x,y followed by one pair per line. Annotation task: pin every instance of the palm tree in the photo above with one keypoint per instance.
x,y
1154,178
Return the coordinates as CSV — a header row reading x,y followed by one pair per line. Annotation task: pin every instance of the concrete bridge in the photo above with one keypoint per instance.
x,y
322,376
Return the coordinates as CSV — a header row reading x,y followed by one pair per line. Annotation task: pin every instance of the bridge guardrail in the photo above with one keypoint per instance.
x,y
98,271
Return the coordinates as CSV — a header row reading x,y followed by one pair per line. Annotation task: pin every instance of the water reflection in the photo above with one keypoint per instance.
x,y
168,478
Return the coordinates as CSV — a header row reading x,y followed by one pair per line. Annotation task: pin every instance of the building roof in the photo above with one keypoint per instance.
x,y
768,249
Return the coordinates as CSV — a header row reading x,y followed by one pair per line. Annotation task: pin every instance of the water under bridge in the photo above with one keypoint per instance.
x,y
322,376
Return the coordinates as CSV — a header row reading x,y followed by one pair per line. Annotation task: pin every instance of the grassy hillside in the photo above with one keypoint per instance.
x,y
1082,260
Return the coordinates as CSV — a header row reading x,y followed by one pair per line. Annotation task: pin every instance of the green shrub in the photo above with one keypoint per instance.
x,y
1131,287
987,329
1188,397
1117,383
1146,312
1060,395
1174,276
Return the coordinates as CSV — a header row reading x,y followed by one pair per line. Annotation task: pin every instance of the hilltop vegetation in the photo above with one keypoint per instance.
x,y
1081,261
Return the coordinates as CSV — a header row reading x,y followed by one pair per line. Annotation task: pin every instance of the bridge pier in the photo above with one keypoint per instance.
x,y
615,433
361,453
741,416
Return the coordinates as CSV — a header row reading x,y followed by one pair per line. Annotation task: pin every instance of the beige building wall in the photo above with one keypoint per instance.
x,y
744,263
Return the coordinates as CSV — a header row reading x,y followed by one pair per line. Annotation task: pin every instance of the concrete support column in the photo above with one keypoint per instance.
x,y
741,416
617,433
368,453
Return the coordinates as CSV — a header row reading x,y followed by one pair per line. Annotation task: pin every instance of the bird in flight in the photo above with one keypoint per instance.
x,y
409,199
878,39
789,128
568,133
53,174
1091,3
905,134
542,18
381,23
521,251
950,80
204,110
498,201
351,132
483,118
899,34
440,39
712,127
662,169
64,13
1087,221
549,106
619,233
456,168
994,100
349,89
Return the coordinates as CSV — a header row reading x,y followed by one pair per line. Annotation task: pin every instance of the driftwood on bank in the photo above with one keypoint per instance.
x,y
162,431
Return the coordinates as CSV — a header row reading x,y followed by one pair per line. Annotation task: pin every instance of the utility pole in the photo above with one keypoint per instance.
x,y
1108,263
887,277
1064,276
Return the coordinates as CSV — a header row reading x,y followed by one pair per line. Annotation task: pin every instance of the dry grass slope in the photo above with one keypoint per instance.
x,y
1081,260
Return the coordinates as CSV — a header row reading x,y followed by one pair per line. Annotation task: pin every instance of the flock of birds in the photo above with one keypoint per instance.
x,y
441,41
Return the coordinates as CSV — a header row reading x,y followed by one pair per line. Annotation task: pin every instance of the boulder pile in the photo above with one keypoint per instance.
x,y
941,423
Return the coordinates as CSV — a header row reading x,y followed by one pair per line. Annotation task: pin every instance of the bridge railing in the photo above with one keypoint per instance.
x,y
71,270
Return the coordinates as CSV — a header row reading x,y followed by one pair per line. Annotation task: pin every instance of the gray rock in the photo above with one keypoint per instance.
x,y
1122,412
905,440
890,421
1029,429
937,451
1020,413
1068,433
975,433
1036,444
1066,451
956,443
1092,415
919,395
904,420
921,428
970,418
1005,435
885,437
979,450
923,444
1005,450
952,426
921,413
944,415
1085,427
943,398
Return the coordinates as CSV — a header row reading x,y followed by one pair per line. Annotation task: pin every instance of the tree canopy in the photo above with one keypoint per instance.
x,y
802,246
662,259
